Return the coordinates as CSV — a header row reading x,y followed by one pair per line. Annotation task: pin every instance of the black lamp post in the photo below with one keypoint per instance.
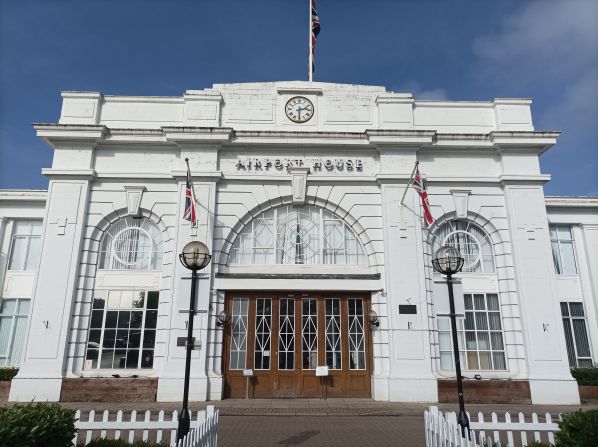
x,y
448,261
195,256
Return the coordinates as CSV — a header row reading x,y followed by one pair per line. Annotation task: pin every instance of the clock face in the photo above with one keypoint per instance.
x,y
299,109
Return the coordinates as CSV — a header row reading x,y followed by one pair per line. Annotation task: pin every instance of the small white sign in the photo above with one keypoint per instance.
x,y
248,372
321,371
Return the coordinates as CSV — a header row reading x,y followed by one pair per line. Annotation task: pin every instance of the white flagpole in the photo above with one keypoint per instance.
x,y
409,182
311,53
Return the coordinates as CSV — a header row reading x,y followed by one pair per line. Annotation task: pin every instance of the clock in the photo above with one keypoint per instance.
x,y
299,109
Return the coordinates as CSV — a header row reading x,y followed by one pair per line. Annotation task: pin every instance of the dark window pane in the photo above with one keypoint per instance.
x,y
149,339
98,303
109,338
151,317
122,337
564,310
111,318
138,300
576,309
133,358
96,318
92,355
106,362
134,339
569,342
581,338
136,319
94,338
147,358
124,318
152,300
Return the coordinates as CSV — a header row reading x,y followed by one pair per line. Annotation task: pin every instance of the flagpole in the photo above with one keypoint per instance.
x,y
409,182
311,52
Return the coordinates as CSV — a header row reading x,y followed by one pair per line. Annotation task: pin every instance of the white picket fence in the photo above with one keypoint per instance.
x,y
442,430
203,433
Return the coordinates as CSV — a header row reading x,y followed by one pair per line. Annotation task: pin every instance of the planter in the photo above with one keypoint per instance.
x,y
588,392
486,391
109,390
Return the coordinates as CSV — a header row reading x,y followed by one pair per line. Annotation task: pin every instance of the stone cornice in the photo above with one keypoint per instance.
x,y
572,201
24,195
56,134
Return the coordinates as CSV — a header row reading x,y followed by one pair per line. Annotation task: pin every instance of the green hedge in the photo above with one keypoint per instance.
x,y
122,443
36,425
579,429
7,374
585,376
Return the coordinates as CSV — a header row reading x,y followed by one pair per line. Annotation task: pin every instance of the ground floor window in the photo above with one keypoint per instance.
x,y
576,335
480,335
13,322
122,332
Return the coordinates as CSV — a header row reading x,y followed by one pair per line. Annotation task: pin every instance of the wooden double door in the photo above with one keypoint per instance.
x,y
283,337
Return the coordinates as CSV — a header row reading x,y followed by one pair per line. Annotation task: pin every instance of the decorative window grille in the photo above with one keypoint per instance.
x,y
576,335
472,242
122,332
563,252
356,334
239,319
333,333
286,335
480,336
297,235
25,246
263,325
13,323
309,333
131,244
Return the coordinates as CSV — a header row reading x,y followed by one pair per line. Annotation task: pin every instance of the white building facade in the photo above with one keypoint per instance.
x,y
298,188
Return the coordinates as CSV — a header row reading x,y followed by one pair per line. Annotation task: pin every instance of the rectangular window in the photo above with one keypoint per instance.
x,y
479,335
13,322
122,332
25,246
356,334
563,252
309,333
333,333
239,318
286,334
576,335
263,325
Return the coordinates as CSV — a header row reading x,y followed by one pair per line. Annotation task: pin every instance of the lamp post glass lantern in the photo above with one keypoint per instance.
x,y
195,256
448,261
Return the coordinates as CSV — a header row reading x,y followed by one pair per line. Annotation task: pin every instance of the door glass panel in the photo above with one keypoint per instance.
x,y
286,335
309,333
263,323
333,333
356,335
238,349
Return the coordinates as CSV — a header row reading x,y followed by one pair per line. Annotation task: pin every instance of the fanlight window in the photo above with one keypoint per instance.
x,y
297,235
131,244
472,242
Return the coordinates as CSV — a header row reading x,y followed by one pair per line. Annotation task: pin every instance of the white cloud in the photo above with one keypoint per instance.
x,y
550,45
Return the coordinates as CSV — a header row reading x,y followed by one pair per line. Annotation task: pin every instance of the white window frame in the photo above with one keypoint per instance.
x,y
29,236
351,252
572,333
558,241
461,338
14,317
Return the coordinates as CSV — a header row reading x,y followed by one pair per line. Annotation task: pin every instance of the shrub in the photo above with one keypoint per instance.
x,y
579,429
7,374
122,443
36,425
585,376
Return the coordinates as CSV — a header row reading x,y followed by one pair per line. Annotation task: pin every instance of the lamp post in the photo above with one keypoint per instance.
x,y
195,256
448,261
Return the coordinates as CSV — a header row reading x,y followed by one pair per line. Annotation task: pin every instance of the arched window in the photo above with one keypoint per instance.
x,y
131,244
472,242
297,235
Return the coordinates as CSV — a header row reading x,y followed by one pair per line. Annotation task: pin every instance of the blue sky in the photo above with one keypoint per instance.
x,y
437,49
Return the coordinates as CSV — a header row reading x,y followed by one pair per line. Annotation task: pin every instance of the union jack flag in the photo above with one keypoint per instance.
x,y
315,30
420,187
190,205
